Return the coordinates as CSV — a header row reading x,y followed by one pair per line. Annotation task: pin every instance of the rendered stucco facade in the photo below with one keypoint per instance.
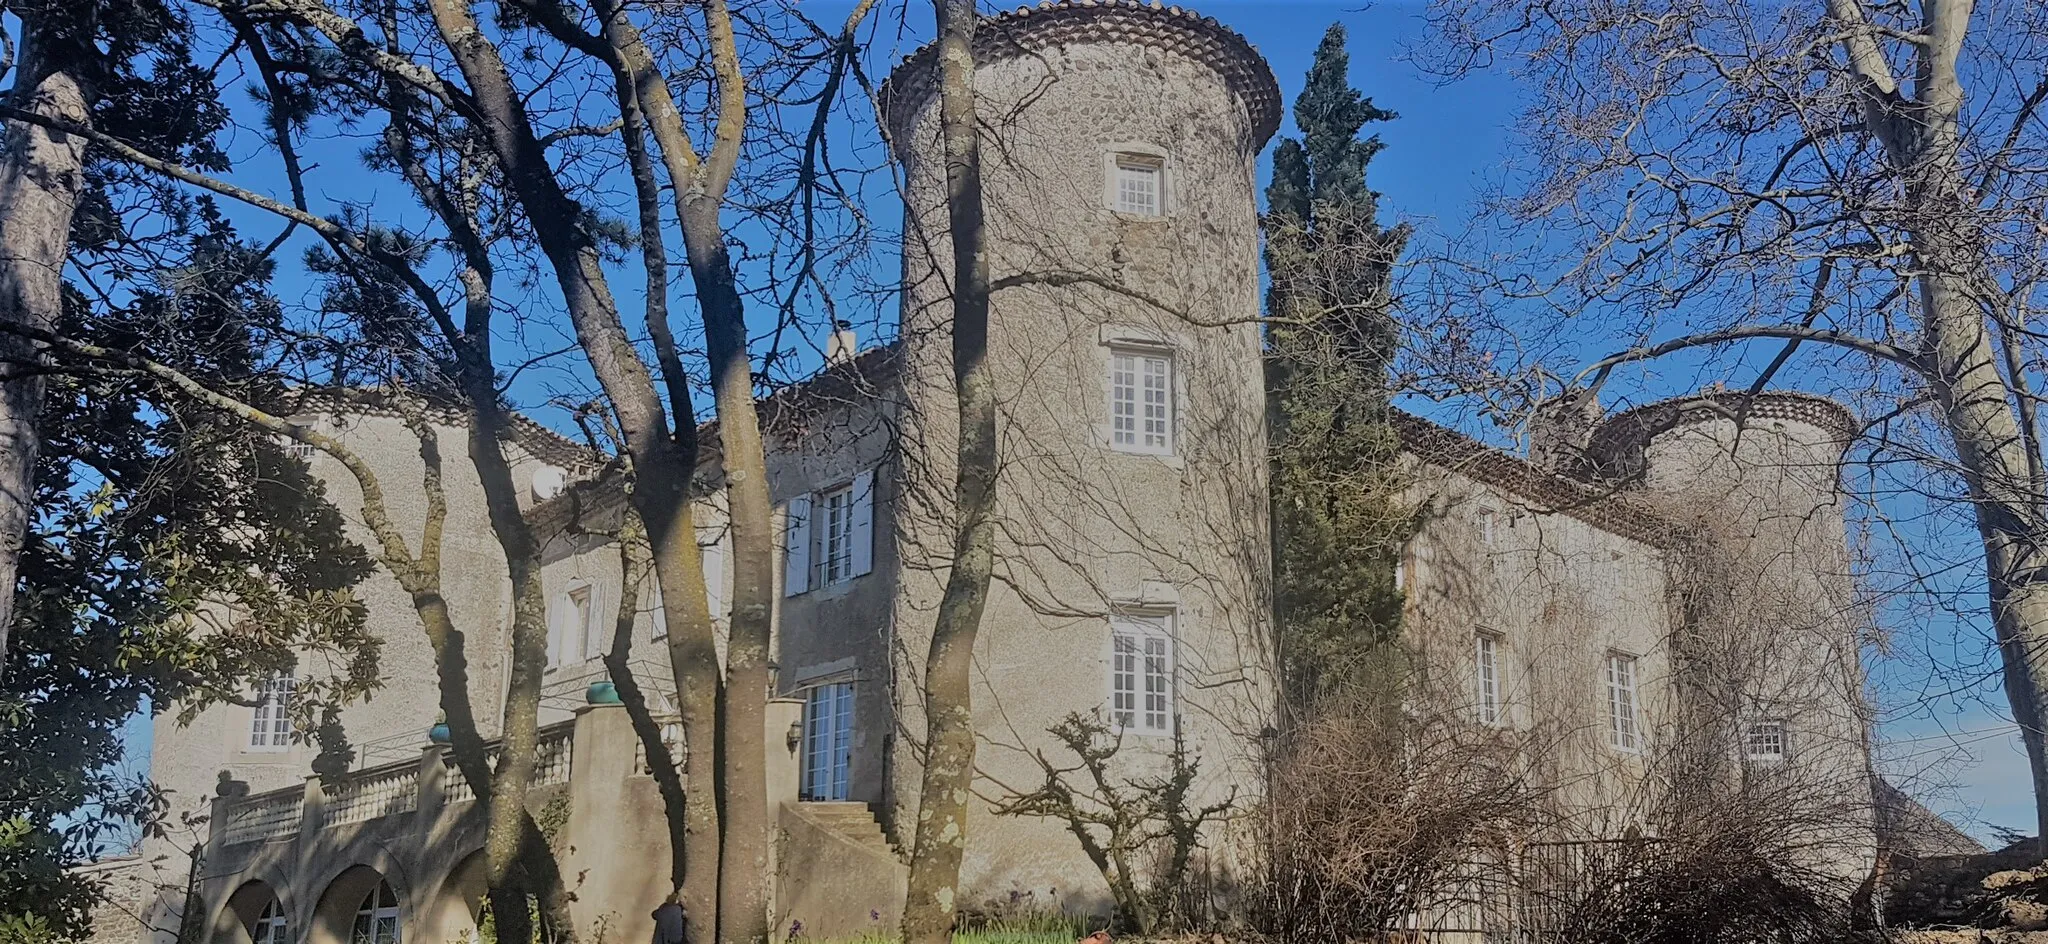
x,y
1564,566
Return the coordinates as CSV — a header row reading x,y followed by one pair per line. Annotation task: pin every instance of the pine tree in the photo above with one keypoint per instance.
x,y
1338,525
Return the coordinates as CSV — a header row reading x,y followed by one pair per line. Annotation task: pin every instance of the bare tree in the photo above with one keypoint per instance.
x,y
1859,183
941,834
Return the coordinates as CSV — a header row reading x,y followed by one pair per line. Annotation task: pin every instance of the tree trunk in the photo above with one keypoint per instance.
x,y
1974,402
40,177
743,703
941,835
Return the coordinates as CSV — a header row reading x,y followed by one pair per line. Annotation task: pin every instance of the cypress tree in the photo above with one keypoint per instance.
x,y
1338,523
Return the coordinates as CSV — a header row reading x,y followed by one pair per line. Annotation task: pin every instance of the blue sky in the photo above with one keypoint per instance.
x,y
1956,750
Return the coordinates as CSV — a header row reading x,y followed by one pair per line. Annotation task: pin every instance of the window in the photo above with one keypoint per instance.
x,y
1141,402
575,618
828,536
1764,741
1486,677
582,616
1624,719
828,741
299,450
270,724
1141,674
835,536
1137,180
1488,518
377,919
271,926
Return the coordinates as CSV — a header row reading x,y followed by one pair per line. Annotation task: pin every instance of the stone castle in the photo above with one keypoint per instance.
x,y
1673,573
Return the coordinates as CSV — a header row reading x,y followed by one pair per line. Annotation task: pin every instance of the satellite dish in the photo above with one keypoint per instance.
x,y
549,481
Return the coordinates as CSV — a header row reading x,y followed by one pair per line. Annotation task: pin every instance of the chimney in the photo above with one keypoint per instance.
x,y
843,344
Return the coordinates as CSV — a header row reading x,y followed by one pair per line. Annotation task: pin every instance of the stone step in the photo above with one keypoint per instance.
x,y
853,821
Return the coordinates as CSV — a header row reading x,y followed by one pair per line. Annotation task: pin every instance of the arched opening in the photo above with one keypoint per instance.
x,y
254,915
457,907
360,906
377,917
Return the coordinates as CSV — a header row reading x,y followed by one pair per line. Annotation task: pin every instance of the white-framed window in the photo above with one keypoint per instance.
x,y
834,509
271,926
377,919
829,536
1138,185
1764,741
270,722
1624,708
1486,677
1141,666
828,741
1489,524
576,625
1141,401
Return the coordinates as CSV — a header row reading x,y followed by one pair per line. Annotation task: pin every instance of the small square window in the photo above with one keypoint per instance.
x,y
1141,401
1765,742
1139,185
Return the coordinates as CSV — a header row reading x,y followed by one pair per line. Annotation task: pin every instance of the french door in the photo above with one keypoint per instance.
x,y
828,740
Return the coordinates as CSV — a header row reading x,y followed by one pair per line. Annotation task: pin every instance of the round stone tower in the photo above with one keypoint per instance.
x,y
1119,148
1767,654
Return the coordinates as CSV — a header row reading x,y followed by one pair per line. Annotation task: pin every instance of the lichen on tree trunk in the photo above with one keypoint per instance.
x,y
932,899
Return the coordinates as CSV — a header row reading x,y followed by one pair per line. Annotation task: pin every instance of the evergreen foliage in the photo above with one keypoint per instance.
x,y
1338,524
173,553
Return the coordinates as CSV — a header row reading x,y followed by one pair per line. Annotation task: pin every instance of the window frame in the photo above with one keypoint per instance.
x,y
1141,357
839,702
1489,706
1625,730
272,925
824,529
373,910
1136,161
1144,630
1781,735
270,724
589,643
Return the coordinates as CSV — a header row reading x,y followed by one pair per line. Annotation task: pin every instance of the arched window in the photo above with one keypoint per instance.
x,y
271,926
377,919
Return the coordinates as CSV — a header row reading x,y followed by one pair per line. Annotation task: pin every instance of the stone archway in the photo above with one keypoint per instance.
x,y
361,902
254,914
450,915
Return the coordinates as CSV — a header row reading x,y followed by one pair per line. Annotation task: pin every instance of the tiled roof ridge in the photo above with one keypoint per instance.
x,y
1601,506
1056,22
530,434
1630,426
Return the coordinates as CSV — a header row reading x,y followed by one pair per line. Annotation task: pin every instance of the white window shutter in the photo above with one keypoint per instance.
x,y
713,555
796,547
558,612
863,536
597,635
657,613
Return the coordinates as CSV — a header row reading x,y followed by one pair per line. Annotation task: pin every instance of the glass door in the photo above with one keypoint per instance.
x,y
828,741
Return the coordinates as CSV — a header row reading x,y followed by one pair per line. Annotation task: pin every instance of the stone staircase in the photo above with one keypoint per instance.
x,y
853,821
